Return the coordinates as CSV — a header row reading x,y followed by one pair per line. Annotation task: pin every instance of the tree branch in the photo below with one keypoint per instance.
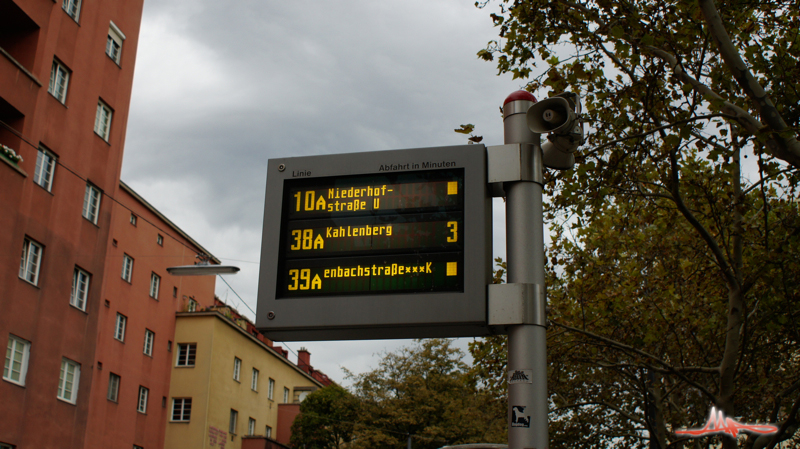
x,y
662,127
786,148
777,149
790,424
666,365
603,404
729,274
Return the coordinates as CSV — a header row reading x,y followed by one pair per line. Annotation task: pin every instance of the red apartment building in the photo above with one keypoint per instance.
x,y
66,72
128,401
87,308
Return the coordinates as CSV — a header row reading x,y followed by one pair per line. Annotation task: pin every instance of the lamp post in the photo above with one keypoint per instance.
x,y
203,268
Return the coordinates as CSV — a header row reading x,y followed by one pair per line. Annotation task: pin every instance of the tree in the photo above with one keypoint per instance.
x,y
674,266
326,420
424,392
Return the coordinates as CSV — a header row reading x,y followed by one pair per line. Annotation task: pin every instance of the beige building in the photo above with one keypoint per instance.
x,y
227,383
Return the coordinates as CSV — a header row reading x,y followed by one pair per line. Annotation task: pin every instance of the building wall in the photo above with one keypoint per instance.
x,y
34,32
214,391
119,424
286,417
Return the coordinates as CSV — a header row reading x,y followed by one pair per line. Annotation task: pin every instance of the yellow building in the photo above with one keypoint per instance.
x,y
226,383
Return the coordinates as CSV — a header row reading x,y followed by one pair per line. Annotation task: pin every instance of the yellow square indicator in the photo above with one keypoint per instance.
x,y
452,188
452,268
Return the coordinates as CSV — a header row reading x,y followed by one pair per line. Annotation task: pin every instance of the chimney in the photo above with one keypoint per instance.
x,y
304,360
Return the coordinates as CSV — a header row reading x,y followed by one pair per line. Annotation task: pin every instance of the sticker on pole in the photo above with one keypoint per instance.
x,y
518,418
520,376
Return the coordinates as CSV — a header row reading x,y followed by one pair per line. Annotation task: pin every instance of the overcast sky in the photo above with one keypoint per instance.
x,y
222,87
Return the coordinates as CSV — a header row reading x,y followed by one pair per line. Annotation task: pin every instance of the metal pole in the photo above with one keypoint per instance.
x,y
527,345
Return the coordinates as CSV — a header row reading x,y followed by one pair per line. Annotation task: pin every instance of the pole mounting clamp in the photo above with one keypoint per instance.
x,y
514,162
514,304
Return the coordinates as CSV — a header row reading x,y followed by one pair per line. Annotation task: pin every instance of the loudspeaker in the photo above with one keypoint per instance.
x,y
554,115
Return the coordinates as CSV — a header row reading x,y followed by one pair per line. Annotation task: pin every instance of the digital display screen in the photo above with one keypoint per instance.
x,y
367,234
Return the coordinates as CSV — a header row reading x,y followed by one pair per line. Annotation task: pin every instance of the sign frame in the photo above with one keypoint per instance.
x,y
381,315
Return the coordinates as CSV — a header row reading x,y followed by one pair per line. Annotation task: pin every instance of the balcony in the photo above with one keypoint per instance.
x,y
18,40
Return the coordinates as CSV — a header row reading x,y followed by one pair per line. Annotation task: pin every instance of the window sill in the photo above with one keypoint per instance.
x,y
14,383
29,282
74,19
104,139
117,63
62,103
66,401
78,308
45,189
184,366
90,221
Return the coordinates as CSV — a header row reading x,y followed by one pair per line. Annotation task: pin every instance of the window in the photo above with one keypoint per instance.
x,y
80,289
59,79
271,389
251,426
285,395
181,409
160,240
232,425
119,329
91,203
137,447
114,43
141,407
254,380
186,354
155,283
237,368
133,219
127,267
16,366
102,121
45,167
174,292
192,305
72,7
149,337
113,387
68,381
268,432
31,260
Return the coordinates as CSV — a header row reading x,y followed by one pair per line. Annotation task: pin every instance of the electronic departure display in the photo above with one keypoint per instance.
x,y
383,244
394,232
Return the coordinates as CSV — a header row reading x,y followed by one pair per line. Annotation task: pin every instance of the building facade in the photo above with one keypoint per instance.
x,y
66,72
88,308
134,343
228,382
